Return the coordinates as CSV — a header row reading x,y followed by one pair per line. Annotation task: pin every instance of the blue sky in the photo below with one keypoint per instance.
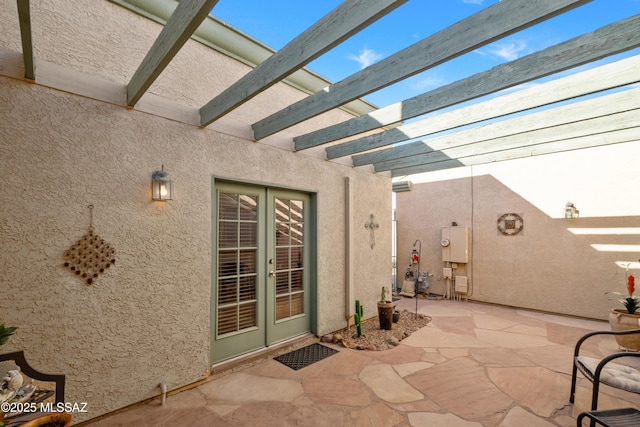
x,y
276,23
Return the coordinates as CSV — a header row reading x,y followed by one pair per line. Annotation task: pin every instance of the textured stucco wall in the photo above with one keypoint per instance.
x,y
548,266
147,319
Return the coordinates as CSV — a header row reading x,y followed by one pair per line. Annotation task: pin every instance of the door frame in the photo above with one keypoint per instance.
x,y
311,216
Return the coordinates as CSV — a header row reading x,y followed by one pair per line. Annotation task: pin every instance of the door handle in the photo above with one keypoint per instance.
x,y
272,273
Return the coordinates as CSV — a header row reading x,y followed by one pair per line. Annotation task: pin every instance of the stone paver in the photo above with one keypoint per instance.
x,y
338,391
241,388
388,385
405,369
461,386
419,419
541,390
473,365
518,417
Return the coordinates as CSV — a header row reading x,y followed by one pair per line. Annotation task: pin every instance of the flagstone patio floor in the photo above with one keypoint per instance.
x,y
472,365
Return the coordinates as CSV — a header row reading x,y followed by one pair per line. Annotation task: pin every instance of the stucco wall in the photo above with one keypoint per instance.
x,y
147,319
554,264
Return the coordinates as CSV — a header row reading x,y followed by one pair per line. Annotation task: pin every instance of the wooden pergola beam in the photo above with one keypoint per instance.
x,y
344,21
596,116
623,72
24,16
609,40
566,131
484,27
187,16
587,141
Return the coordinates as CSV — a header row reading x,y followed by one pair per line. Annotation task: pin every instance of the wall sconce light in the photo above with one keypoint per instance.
x,y
161,186
570,211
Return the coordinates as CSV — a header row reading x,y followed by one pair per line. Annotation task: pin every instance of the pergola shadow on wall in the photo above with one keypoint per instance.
x,y
553,263
379,137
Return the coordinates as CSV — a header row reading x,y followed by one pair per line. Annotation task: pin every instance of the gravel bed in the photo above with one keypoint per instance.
x,y
375,339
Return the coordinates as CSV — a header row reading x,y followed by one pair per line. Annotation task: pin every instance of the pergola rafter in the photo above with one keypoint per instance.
x,y
621,73
179,28
607,41
385,127
24,14
486,26
347,19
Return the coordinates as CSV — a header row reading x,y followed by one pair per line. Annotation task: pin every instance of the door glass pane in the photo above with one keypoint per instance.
x,y
282,307
226,291
289,249
282,283
237,261
247,315
297,304
282,258
227,234
296,281
296,234
248,207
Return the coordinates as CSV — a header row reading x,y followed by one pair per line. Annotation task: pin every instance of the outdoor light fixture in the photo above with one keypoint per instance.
x,y
161,186
570,211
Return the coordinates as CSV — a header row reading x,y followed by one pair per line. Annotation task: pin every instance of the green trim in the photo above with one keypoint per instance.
x,y
222,37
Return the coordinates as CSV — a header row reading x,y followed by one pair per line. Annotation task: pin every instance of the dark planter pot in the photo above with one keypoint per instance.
x,y
385,315
396,316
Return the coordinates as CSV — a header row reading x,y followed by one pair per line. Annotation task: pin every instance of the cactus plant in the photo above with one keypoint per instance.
x,y
358,317
5,333
383,295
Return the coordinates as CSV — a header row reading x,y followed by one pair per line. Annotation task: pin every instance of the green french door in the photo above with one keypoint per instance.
x,y
261,287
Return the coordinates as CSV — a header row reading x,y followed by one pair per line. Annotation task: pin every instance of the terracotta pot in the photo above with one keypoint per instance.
x,y
385,315
620,320
62,419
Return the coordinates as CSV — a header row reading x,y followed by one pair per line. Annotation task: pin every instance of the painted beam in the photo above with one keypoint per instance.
x,y
24,16
594,116
612,39
580,129
229,41
486,26
187,16
623,72
340,24
589,141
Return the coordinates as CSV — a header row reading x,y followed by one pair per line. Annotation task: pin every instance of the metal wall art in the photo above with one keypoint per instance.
x,y
372,225
91,255
510,224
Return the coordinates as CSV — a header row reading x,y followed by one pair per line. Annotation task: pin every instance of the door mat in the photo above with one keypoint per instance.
x,y
305,356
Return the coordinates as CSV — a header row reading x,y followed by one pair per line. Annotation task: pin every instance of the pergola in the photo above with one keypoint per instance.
x,y
402,148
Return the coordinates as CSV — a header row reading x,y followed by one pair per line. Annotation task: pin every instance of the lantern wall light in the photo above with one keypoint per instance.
x,y
570,211
161,186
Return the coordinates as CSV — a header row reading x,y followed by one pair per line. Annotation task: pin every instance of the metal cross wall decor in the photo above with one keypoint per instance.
x,y
372,225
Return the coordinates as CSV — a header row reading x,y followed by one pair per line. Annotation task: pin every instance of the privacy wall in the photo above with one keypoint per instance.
x,y
552,264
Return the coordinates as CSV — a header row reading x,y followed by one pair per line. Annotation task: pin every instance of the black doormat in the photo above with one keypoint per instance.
x,y
305,356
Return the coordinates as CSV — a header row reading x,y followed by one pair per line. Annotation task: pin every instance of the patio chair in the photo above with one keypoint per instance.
x,y
602,371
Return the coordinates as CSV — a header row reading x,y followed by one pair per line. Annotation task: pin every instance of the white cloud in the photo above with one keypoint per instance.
x,y
473,1
422,83
508,51
366,57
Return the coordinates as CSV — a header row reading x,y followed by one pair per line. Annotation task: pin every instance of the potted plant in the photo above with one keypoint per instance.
x,y
627,318
396,316
385,311
50,420
5,333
